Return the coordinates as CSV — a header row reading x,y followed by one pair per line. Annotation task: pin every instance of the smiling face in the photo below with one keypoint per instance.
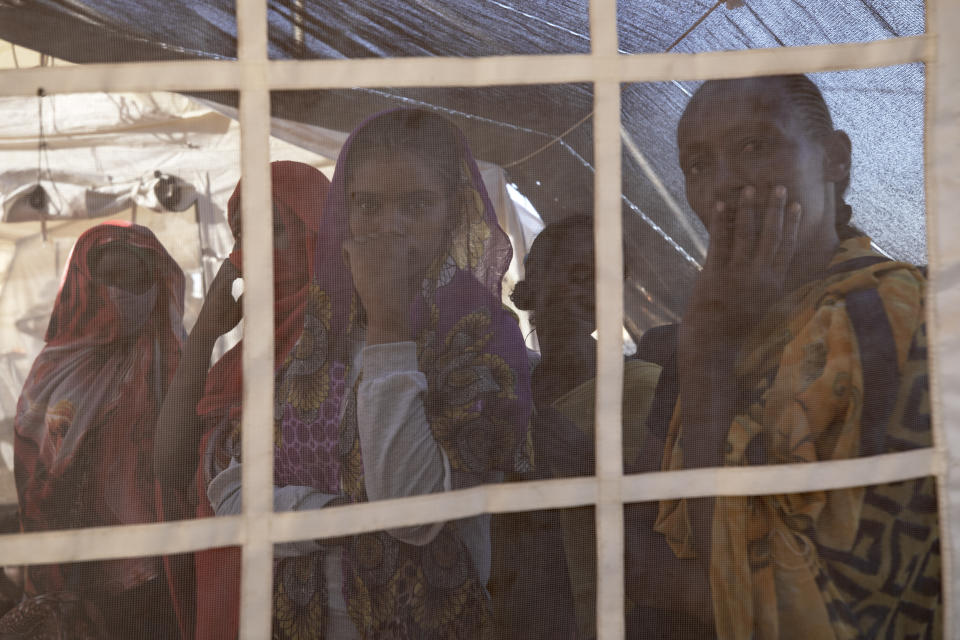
x,y
559,291
746,132
562,282
399,193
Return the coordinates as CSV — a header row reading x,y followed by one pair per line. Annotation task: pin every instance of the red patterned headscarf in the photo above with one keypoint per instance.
x,y
298,194
85,419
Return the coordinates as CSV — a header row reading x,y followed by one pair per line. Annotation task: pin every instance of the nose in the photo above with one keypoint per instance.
x,y
393,219
728,182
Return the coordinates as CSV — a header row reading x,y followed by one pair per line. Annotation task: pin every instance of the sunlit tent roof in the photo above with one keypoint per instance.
x,y
542,134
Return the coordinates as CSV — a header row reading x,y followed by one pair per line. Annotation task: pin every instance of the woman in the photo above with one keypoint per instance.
x,y
211,421
798,344
559,290
412,379
84,429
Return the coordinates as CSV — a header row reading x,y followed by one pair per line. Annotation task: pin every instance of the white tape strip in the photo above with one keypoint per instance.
x,y
195,75
452,505
609,282
783,478
189,535
258,356
942,157
130,541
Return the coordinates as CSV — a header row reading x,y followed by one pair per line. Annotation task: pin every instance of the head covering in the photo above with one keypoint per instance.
x,y
477,403
85,418
298,194
299,190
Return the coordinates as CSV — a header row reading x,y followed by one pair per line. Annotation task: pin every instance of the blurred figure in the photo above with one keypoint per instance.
x,y
200,419
84,433
799,343
559,290
409,378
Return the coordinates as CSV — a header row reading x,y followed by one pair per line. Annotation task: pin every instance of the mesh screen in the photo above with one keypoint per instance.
x,y
572,343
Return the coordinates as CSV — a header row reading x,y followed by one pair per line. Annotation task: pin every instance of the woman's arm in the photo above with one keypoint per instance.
x,y
179,430
748,264
226,498
400,455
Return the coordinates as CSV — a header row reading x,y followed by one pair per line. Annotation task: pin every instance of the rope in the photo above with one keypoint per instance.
x,y
551,143
588,116
693,26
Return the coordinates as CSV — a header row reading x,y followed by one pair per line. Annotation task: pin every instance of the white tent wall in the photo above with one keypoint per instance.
x,y
103,149
258,528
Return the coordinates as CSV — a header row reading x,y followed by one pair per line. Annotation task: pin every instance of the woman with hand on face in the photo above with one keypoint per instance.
x,y
84,434
202,411
409,378
799,343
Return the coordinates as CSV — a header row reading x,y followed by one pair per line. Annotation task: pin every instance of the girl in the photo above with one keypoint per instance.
x,y
409,378
202,411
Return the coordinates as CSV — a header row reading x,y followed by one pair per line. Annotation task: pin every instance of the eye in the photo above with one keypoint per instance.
x,y
365,203
693,167
419,203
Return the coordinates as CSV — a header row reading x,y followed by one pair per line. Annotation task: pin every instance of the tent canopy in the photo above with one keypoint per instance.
x,y
542,134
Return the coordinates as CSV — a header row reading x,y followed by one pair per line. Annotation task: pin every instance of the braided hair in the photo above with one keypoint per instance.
x,y
804,101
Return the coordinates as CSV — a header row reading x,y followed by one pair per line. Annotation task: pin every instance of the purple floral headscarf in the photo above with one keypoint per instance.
x,y
478,404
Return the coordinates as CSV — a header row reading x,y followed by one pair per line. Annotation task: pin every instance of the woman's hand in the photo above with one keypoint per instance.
x,y
745,272
387,271
220,312
179,430
746,269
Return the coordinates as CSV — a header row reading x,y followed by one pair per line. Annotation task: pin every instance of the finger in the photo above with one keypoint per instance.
x,y
720,237
772,225
788,243
744,232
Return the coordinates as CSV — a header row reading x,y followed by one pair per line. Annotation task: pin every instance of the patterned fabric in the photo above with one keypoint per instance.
x,y
477,403
84,423
53,616
298,193
850,563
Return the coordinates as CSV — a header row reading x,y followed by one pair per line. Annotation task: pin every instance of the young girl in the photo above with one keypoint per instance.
x,y
799,343
409,378
201,414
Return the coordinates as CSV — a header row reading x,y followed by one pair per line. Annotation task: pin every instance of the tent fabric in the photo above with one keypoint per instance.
x,y
138,47
507,124
103,151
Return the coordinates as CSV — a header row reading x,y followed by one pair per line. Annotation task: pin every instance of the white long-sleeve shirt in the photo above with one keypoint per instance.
x,y
400,458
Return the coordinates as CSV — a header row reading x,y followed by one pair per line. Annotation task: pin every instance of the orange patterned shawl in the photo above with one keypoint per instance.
x,y
850,563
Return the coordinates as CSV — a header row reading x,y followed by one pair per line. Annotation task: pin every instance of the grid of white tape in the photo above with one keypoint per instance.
x,y
253,75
